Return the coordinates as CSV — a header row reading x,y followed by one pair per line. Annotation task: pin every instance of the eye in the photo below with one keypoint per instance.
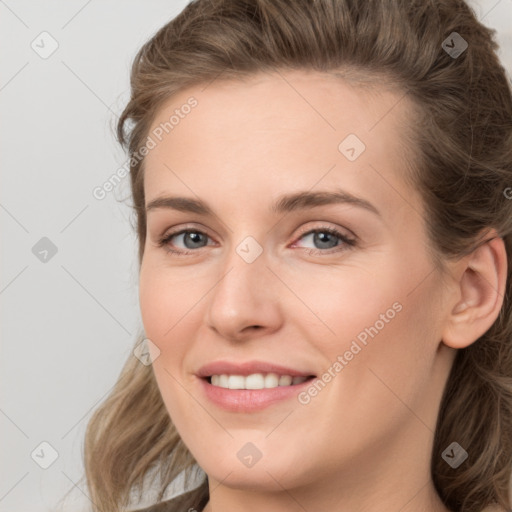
x,y
327,238
191,238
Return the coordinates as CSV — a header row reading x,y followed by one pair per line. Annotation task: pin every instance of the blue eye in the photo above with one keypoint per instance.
x,y
326,238
191,236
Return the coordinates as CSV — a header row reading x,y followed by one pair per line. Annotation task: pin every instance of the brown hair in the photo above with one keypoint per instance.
x,y
462,168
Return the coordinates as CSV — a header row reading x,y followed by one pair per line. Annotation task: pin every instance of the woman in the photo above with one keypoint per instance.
x,y
322,192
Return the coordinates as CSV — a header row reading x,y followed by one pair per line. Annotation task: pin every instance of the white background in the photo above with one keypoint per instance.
x,y
69,324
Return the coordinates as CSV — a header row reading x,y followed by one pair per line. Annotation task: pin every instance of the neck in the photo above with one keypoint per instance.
x,y
392,476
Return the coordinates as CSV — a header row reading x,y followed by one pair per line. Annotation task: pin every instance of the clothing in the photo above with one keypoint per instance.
x,y
180,503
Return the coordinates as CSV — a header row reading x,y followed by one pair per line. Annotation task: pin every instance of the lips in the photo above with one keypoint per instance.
x,y
248,368
237,387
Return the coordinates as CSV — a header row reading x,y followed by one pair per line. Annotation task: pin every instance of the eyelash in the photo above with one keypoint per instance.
x,y
348,242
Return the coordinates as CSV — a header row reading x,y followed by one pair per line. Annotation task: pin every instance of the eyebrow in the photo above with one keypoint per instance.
x,y
284,204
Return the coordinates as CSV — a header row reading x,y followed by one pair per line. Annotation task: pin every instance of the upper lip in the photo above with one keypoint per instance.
x,y
248,368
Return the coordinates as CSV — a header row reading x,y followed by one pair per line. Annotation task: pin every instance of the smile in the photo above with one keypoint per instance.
x,y
246,400
255,381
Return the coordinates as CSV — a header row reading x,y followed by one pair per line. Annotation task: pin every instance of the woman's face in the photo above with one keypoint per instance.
x,y
282,273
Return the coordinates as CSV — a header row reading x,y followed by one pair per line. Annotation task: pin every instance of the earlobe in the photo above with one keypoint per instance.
x,y
481,290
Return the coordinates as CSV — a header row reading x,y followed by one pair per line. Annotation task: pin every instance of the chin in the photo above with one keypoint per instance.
x,y
269,475
257,479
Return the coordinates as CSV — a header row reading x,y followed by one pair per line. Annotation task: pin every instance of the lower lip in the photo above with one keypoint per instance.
x,y
250,400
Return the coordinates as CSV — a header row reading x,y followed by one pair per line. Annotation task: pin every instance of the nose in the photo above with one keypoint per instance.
x,y
245,301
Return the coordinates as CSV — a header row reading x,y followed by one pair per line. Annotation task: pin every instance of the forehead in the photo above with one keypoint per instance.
x,y
329,103
282,131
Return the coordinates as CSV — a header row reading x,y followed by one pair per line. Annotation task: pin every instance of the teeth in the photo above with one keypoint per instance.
x,y
255,381
285,380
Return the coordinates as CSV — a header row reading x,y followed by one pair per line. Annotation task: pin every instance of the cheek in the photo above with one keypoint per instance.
x,y
171,312
373,321
163,305
340,307
153,298
397,356
164,320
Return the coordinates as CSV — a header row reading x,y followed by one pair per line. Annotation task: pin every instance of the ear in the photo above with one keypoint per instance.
x,y
479,294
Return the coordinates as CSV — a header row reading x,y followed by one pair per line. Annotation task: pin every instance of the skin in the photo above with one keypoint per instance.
x,y
364,442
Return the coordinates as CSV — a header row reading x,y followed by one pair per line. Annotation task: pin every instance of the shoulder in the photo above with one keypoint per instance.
x,y
190,501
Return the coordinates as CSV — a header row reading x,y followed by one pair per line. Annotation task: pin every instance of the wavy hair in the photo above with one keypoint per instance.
x,y
462,145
